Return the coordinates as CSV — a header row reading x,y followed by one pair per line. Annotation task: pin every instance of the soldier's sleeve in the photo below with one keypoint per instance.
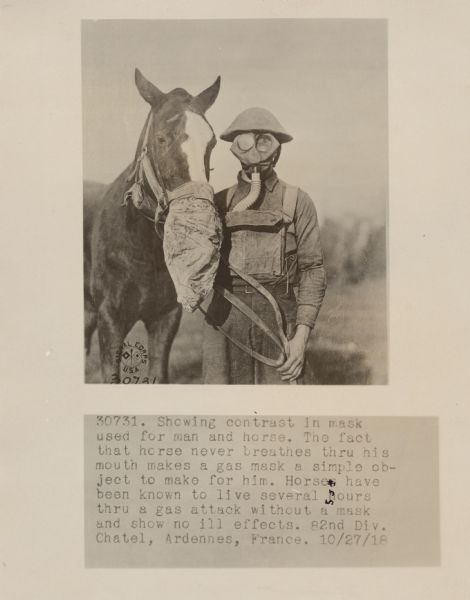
x,y
312,276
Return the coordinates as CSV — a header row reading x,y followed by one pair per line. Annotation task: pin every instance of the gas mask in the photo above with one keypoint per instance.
x,y
192,241
256,150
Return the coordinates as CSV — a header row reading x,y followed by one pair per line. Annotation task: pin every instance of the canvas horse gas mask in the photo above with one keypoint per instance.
x,y
171,186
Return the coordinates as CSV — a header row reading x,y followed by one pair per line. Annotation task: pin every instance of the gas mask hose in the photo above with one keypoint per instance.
x,y
253,194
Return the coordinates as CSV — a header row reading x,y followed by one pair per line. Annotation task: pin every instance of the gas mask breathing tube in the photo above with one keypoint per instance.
x,y
255,151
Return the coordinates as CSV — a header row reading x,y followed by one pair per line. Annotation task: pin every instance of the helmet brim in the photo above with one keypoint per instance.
x,y
230,134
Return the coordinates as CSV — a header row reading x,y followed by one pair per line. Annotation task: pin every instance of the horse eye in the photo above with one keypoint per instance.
x,y
161,139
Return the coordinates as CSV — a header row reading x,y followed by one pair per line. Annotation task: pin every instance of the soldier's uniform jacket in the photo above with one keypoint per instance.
x,y
278,242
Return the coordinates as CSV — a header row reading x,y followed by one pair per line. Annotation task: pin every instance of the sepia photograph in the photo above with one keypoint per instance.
x,y
235,201
235,194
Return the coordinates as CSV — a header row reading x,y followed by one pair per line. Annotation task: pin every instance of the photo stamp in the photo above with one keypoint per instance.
x,y
133,358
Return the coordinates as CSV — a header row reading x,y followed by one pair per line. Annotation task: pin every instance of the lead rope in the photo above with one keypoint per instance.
x,y
280,340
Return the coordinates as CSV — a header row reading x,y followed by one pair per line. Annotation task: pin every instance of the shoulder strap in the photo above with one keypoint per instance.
x,y
289,204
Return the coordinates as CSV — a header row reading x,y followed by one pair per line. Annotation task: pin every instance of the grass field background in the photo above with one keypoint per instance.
x,y
348,346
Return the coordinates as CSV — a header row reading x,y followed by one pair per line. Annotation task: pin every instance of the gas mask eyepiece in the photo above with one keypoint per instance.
x,y
254,148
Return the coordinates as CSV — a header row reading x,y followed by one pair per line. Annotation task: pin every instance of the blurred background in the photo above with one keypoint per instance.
x,y
326,81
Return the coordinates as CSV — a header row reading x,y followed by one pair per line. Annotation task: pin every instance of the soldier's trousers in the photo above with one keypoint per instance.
x,y
225,363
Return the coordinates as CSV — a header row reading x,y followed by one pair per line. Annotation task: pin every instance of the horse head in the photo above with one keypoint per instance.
x,y
172,163
180,139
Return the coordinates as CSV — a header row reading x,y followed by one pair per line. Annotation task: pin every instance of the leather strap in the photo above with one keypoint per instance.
x,y
144,168
252,316
289,203
157,190
279,339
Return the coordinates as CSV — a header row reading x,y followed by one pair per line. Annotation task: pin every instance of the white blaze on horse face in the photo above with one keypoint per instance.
x,y
199,134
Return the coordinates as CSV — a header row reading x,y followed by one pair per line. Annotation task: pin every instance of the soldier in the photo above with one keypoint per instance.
x,y
271,233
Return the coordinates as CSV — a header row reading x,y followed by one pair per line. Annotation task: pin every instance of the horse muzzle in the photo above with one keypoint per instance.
x,y
191,242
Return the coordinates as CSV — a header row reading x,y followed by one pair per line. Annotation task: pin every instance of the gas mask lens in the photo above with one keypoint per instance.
x,y
264,142
245,141
252,148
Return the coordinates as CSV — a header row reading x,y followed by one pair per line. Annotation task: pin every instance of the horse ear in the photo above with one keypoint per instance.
x,y
149,92
207,98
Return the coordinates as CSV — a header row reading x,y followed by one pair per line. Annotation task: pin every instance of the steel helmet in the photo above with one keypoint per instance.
x,y
256,119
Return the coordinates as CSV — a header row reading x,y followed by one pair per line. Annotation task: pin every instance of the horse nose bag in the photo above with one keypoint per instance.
x,y
191,242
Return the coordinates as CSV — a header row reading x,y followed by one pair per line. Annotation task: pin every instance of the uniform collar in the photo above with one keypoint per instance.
x,y
269,183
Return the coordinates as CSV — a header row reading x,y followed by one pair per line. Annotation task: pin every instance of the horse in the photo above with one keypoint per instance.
x,y
125,275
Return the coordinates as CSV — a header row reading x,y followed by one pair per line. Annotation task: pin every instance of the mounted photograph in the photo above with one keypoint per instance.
x,y
235,188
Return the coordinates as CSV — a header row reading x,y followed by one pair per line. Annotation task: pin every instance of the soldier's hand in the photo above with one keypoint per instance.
x,y
293,366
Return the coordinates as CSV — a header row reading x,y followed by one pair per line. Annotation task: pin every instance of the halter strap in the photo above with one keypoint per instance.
x,y
145,169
